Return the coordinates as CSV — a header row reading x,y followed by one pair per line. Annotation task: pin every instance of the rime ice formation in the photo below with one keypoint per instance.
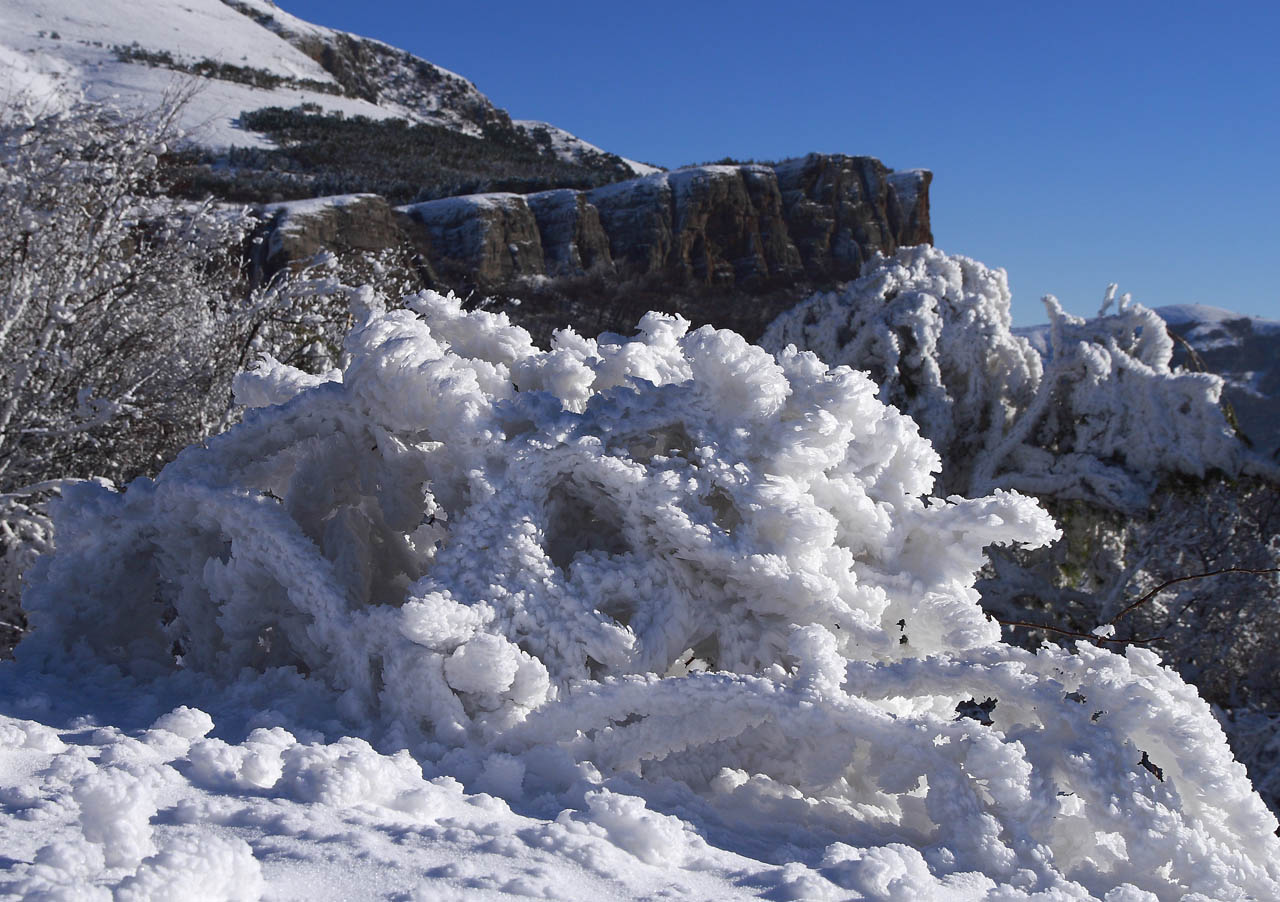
x,y
1100,419
683,604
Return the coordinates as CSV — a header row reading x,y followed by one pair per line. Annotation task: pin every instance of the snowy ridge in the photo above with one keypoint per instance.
x,y
1183,314
573,149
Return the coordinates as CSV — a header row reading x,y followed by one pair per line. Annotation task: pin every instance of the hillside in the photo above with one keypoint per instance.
x,y
463,196
241,56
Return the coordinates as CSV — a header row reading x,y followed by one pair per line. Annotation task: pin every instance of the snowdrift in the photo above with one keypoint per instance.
x,y
685,608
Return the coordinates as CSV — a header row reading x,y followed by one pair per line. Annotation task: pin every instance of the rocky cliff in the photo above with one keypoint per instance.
x,y
728,244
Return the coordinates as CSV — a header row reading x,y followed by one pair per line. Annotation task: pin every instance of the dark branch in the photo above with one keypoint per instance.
x,y
1182,579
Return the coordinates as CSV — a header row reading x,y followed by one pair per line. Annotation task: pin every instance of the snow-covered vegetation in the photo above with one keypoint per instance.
x,y
663,615
124,316
1138,462
1102,418
667,594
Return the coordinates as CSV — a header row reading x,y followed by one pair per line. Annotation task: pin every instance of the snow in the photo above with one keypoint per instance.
x,y
682,181
677,182
1208,321
661,616
1182,314
462,205
32,81
81,62
906,184
193,30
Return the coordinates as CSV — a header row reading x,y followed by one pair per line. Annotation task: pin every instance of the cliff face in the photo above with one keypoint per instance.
x,y
732,245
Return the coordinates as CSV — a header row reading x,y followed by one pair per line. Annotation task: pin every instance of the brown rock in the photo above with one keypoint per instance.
x,y
573,239
480,241
728,226
294,232
840,210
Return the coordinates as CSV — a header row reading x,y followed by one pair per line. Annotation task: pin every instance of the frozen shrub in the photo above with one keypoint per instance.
x,y
123,314
1103,418
115,308
111,297
1134,458
673,564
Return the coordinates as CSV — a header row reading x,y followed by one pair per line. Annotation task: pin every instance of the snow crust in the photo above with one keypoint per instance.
x,y
653,616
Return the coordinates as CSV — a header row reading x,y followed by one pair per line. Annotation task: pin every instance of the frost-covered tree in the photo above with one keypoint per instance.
x,y
115,308
124,315
111,298
668,567
1135,459
1102,418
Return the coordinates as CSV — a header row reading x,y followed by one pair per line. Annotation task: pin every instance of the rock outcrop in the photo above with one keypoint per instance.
x,y
728,244
573,238
841,209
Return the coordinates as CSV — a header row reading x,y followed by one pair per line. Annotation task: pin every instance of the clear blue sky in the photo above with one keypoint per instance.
x,y
1074,144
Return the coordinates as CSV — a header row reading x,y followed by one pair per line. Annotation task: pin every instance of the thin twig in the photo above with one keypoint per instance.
x,y
1065,632
1181,579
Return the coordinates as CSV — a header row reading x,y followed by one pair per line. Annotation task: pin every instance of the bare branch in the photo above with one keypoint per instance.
x,y
1259,571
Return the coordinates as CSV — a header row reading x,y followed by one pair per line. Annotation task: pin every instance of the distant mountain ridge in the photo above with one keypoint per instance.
x,y
1245,351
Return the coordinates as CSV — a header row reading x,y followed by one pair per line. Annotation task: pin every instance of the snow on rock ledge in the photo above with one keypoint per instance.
x,y
637,577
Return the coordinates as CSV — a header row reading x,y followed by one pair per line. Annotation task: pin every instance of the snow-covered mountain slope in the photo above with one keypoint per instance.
x,y
242,55
570,147
1243,350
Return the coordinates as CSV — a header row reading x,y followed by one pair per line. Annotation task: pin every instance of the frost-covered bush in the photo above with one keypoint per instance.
x,y
1102,419
668,572
110,297
1135,459
114,305
123,314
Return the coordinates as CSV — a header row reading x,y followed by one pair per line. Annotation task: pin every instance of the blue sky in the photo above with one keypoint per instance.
x,y
1074,144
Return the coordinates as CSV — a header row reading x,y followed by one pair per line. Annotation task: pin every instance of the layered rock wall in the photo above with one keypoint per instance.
x,y
700,236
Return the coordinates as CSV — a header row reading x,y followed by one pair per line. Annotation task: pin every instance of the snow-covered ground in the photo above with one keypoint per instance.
x,y
70,47
649,617
168,812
